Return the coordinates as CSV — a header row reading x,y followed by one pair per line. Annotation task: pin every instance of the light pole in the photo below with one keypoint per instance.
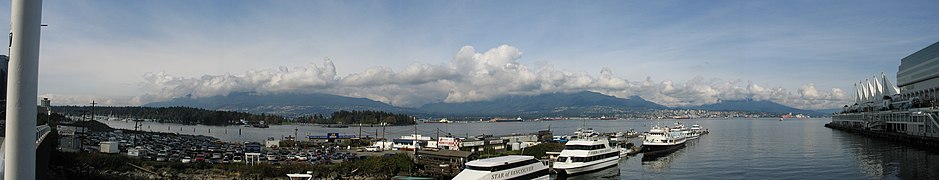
x,y
20,153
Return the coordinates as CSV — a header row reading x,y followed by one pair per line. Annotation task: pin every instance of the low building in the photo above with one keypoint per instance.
x,y
483,145
109,147
332,138
448,143
520,141
416,141
445,162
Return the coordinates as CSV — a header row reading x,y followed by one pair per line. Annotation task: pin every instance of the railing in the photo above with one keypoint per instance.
x,y
41,132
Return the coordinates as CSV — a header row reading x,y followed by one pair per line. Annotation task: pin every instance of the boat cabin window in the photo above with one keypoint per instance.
x,y
503,167
562,159
584,147
594,158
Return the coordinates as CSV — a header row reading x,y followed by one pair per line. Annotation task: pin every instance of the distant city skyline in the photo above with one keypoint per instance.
x,y
804,54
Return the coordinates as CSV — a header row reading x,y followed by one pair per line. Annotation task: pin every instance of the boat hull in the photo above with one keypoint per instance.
x,y
652,152
654,148
587,168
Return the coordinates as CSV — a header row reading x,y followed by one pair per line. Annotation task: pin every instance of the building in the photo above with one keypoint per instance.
x,y
519,141
917,75
907,110
46,105
109,147
483,145
444,162
331,138
412,142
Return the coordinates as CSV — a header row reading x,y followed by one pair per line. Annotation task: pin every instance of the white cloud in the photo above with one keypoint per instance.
x,y
469,76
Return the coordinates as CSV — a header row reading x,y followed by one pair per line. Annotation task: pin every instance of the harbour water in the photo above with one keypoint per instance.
x,y
735,148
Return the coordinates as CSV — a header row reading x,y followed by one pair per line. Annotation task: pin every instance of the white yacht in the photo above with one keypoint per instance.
x,y
696,132
586,154
663,138
681,129
505,167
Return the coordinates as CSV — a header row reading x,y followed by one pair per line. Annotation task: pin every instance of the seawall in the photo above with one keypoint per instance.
x,y
915,141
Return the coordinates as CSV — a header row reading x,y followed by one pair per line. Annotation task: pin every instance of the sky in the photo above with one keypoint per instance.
x,y
805,54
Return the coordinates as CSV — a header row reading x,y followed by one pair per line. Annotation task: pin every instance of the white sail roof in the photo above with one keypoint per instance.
x,y
878,89
862,90
870,91
857,94
890,89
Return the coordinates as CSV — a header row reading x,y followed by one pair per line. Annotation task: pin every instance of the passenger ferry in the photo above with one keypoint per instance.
x,y
504,167
587,154
696,132
664,138
908,110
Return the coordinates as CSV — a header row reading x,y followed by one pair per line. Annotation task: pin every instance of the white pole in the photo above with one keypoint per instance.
x,y
25,21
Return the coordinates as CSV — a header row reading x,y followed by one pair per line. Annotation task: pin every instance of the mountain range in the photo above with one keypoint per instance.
x,y
580,103
583,103
282,104
753,106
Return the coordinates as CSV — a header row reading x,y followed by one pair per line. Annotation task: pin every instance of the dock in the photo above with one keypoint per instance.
x,y
912,140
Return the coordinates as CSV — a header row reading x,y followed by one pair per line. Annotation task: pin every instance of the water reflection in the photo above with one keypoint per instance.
x,y
879,158
611,172
660,161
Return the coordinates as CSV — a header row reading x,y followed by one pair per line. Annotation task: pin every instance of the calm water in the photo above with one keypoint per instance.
x,y
735,148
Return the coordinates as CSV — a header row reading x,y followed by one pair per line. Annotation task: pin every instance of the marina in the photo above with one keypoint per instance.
x,y
762,147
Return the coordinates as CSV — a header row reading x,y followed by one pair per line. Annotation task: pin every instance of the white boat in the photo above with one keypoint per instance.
x,y
586,154
696,132
632,133
681,129
663,138
585,133
504,167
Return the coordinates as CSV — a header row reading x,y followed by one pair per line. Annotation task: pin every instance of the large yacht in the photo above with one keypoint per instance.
x,y
696,132
505,167
587,154
664,138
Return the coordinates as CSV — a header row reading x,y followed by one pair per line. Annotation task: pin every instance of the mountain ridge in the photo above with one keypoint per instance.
x,y
753,106
584,103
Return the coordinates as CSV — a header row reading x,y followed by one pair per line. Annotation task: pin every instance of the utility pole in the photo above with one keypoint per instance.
x,y
20,142
415,142
93,110
383,140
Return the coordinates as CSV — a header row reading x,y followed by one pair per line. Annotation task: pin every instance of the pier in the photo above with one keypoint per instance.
x,y
912,140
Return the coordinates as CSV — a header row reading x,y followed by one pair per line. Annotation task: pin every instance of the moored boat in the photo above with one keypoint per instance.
x,y
587,154
505,167
663,139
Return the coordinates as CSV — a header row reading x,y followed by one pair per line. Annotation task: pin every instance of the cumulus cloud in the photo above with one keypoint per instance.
x,y
474,76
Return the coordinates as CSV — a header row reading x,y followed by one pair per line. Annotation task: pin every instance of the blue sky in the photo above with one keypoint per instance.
x,y
105,50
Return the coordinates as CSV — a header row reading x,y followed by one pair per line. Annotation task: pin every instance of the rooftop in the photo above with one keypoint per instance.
x,y
498,160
